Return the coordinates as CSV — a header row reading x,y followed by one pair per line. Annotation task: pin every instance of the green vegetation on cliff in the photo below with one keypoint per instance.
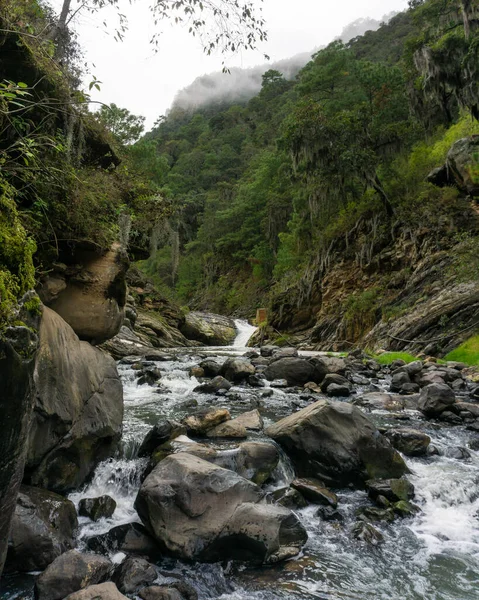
x,y
267,196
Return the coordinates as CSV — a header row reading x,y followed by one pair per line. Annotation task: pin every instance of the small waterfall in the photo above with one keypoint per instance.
x,y
245,331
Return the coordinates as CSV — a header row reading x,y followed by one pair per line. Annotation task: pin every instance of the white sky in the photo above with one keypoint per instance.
x,y
135,77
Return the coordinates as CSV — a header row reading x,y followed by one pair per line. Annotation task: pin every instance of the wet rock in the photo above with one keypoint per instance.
x,y
410,388
430,378
149,376
229,430
97,508
370,513
338,391
380,400
315,491
215,385
70,572
134,574
458,453
449,417
251,420
237,369
468,407
103,591
162,432
474,444
289,498
267,351
365,532
157,592
336,442
279,384
197,372
181,444
414,368
131,538
328,513
256,461
199,511
333,378
392,489
210,367
78,411
410,442
327,364
284,353
312,387
398,380
435,399
296,371
43,527
403,508
257,380
204,419
208,328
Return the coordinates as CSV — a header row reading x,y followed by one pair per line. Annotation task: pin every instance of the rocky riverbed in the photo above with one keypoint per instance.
x,y
268,475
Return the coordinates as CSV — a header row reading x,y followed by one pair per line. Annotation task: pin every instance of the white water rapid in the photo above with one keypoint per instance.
x,y
245,331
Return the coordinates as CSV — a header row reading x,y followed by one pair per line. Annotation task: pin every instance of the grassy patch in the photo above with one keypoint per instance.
x,y
467,353
388,357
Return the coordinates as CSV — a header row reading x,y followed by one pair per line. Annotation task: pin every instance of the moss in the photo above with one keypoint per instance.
x,y
17,273
388,357
467,353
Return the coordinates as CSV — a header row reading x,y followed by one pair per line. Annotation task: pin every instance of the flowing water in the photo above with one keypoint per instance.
x,y
434,556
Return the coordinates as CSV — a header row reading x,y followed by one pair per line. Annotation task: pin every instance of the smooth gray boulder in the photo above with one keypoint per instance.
x,y
410,442
131,538
78,410
336,443
237,369
43,527
97,508
435,398
133,574
200,511
103,591
296,371
70,572
208,328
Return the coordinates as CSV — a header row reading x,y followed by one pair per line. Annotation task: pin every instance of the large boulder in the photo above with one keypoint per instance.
x,y
296,371
18,345
337,443
237,369
78,408
130,538
435,398
200,511
462,164
103,591
70,572
93,297
43,527
208,328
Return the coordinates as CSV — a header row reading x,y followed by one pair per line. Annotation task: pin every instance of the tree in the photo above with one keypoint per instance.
x,y
228,25
125,126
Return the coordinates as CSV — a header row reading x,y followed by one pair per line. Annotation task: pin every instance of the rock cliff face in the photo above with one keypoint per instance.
x,y
17,351
90,293
209,329
78,408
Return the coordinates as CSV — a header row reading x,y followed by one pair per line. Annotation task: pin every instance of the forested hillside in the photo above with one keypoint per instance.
x,y
313,196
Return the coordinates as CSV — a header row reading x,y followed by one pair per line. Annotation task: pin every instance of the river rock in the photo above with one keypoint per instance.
x,y
103,591
93,299
284,353
131,538
336,442
410,442
315,491
215,385
338,391
237,369
134,574
365,532
157,592
161,433
205,419
398,380
380,400
393,490
435,398
70,572
251,420
289,498
181,444
210,367
97,508
199,511
296,371
208,328
256,461
78,410
333,378
229,430
43,527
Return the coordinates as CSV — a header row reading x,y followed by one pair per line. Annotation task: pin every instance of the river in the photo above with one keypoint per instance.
x,y
433,556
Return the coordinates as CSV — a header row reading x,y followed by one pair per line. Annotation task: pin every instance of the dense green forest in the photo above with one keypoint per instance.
x,y
261,194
